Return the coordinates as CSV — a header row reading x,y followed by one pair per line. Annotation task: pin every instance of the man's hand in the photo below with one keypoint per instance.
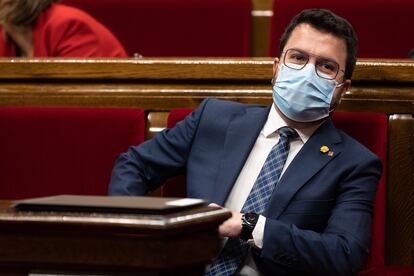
x,y
231,227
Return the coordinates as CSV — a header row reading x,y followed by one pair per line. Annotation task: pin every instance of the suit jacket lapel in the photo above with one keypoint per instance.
x,y
241,135
307,163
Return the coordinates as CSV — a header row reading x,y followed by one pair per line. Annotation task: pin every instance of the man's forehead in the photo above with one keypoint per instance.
x,y
313,41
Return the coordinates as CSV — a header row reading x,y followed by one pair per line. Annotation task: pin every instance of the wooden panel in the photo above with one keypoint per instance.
x,y
163,97
260,27
247,69
400,209
171,243
262,4
127,69
156,122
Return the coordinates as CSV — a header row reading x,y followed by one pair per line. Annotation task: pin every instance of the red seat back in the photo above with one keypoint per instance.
x,y
175,27
370,129
175,186
384,28
48,151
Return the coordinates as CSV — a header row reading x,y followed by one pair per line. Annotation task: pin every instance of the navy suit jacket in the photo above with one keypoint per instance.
x,y
318,220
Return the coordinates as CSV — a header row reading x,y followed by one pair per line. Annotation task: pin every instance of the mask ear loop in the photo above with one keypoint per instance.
x,y
340,99
340,85
273,80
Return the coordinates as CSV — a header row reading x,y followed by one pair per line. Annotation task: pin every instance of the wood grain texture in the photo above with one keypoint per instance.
x,y
260,29
109,242
400,207
162,84
124,69
156,122
262,4
245,69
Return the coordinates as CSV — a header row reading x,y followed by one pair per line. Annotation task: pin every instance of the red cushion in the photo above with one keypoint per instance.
x,y
175,186
388,271
175,27
48,151
370,129
177,115
384,28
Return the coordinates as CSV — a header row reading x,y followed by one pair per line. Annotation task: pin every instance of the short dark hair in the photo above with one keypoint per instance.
x,y
326,21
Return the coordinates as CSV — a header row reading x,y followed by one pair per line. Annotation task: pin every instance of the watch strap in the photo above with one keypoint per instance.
x,y
249,221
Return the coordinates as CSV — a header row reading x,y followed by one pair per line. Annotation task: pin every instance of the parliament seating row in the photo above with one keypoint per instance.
x,y
225,27
158,86
50,150
62,150
175,28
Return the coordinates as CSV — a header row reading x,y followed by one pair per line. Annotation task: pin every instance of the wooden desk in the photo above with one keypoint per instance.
x,y
174,244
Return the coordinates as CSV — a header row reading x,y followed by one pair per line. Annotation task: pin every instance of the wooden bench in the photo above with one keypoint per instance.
x,y
159,85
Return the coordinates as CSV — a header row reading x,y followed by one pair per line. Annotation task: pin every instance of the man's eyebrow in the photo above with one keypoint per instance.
x,y
328,59
321,57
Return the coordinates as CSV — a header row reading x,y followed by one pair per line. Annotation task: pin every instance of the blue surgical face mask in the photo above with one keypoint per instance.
x,y
301,95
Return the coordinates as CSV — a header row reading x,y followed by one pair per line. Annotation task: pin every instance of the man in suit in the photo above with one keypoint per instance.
x,y
312,214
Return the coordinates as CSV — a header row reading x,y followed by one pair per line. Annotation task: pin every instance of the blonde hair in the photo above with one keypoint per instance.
x,y
22,12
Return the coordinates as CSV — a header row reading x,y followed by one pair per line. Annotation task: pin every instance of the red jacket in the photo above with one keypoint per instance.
x,y
63,31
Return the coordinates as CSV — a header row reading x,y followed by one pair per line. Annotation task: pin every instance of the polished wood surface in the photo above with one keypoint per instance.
x,y
260,27
181,242
158,85
162,84
400,199
245,69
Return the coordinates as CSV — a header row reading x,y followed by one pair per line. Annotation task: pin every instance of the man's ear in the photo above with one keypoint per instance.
x,y
275,68
345,88
275,65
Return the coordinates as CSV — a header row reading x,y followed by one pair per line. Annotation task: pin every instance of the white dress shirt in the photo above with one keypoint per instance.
x,y
267,138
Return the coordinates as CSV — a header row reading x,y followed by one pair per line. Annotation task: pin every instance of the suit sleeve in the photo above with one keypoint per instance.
x,y
342,247
145,167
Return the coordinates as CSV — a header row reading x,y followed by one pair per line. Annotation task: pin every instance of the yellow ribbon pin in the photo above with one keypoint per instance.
x,y
324,149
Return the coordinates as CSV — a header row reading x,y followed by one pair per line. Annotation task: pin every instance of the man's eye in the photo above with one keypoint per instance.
x,y
326,66
299,57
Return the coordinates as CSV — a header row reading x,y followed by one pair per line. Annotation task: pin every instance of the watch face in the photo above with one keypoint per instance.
x,y
251,217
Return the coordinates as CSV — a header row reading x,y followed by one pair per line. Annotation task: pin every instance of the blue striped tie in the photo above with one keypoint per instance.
x,y
235,250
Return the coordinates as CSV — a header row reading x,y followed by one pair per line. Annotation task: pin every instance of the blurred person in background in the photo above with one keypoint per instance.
x,y
43,28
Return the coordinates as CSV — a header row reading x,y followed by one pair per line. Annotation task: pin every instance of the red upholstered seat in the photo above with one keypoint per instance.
x,y
370,129
48,151
175,27
388,271
175,186
384,28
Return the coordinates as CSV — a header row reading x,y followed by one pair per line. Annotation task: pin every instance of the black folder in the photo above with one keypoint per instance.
x,y
108,204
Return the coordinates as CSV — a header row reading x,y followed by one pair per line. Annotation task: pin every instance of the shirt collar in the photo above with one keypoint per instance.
x,y
275,121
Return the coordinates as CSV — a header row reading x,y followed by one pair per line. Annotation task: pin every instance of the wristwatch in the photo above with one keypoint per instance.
x,y
249,221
